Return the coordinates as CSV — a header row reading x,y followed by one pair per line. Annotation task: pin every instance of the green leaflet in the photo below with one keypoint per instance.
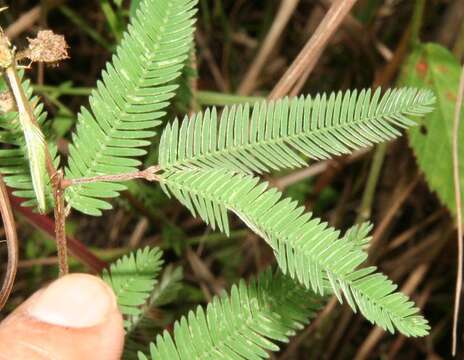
x,y
306,249
133,278
275,135
130,100
431,65
166,291
242,325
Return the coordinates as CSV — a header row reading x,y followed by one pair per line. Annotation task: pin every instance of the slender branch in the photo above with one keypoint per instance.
x,y
365,209
60,223
12,244
47,225
147,174
457,192
28,19
417,20
398,198
25,21
309,55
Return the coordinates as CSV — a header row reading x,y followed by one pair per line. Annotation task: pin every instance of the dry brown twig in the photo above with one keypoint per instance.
x,y
457,189
28,19
24,22
311,52
398,199
12,243
412,231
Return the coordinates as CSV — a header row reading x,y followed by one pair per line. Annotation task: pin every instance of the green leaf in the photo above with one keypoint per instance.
x,y
274,135
243,325
130,100
306,249
35,146
433,66
133,278
25,142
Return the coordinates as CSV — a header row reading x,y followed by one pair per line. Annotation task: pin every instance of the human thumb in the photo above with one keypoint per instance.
x,y
75,317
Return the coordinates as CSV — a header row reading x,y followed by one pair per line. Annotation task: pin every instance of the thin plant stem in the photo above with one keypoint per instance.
x,y
47,226
82,24
417,20
11,241
372,180
147,174
457,192
60,223
28,19
458,48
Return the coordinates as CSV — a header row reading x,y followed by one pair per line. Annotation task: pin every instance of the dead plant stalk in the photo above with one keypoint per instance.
x,y
457,187
11,241
311,52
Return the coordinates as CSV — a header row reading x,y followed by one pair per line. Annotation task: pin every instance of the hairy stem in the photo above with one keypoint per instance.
x,y
147,174
47,226
60,223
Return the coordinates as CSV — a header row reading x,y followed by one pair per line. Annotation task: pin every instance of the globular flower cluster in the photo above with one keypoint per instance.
x,y
47,47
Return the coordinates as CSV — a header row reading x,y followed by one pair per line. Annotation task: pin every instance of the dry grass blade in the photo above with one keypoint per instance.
x,y
457,187
24,22
309,55
12,243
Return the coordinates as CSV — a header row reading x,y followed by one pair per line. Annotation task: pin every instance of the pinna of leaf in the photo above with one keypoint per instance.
x,y
208,162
